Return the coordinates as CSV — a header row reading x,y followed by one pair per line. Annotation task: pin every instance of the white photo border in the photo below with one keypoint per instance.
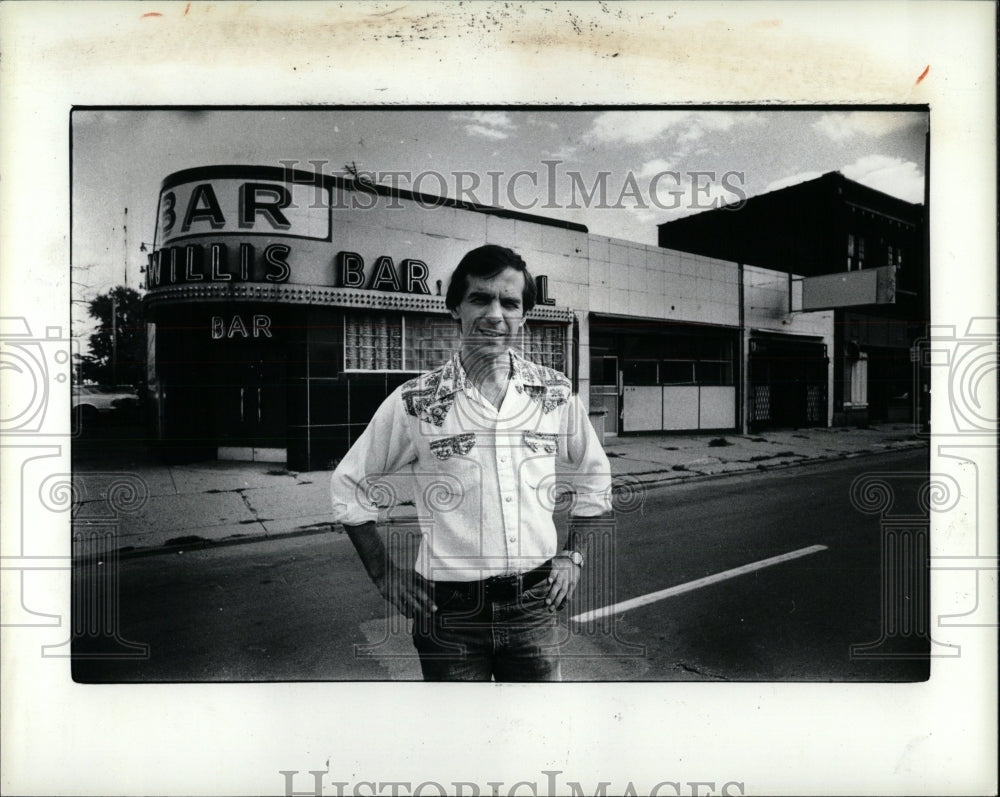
x,y
65,738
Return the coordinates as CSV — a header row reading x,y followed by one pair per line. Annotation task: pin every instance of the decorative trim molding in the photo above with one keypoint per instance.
x,y
562,314
323,296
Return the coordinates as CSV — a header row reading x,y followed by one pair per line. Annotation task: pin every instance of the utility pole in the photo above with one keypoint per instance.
x,y
125,253
114,338
114,304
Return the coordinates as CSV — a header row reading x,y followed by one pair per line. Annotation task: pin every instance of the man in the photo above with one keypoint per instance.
x,y
482,435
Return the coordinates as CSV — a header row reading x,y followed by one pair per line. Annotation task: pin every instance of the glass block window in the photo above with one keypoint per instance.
x,y
430,340
373,342
385,342
545,344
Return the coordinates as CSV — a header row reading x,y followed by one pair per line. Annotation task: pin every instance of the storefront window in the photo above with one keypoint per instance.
x,y
677,372
715,365
430,340
640,372
715,349
677,347
697,360
545,344
380,342
715,372
373,342
859,381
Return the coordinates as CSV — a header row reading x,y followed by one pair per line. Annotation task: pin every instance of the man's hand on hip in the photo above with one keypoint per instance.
x,y
404,590
562,581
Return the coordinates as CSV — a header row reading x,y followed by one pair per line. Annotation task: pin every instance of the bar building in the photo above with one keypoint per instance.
x,y
834,226
284,306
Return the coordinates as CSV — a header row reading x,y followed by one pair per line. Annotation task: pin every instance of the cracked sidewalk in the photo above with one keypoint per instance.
x,y
211,503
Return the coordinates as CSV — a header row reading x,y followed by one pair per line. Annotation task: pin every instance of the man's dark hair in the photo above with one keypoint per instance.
x,y
486,262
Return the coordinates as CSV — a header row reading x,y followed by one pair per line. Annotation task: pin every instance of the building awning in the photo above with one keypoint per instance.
x,y
323,296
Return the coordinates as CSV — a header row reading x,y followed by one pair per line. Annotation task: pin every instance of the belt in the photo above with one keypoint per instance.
x,y
496,588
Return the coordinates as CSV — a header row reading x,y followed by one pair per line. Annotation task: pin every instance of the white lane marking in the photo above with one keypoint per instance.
x,y
652,597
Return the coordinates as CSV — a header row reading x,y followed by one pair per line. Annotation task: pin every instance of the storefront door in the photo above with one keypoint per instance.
x,y
251,412
788,383
605,390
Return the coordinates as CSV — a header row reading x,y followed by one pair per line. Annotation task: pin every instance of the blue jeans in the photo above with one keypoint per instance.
x,y
476,636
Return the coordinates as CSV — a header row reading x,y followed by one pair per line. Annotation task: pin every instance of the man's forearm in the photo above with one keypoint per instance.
x,y
398,586
368,543
583,529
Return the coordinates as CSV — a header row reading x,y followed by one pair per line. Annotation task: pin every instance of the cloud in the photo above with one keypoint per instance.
x,y
655,166
485,132
488,124
840,126
564,153
894,176
488,118
794,179
641,127
534,121
633,127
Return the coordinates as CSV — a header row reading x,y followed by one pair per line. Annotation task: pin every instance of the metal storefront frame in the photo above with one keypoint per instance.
x,y
788,381
688,371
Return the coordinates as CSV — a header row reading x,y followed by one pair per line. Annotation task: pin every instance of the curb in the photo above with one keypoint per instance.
x,y
203,543
688,476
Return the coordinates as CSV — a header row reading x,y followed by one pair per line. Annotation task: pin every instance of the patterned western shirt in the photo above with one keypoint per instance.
x,y
485,479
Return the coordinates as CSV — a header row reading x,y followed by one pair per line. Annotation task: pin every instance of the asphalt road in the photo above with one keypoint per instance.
x,y
302,608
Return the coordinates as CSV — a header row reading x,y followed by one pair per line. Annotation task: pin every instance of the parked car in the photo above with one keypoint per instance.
x,y
93,402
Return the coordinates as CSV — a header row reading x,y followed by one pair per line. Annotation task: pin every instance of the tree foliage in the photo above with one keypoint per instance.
x,y
127,366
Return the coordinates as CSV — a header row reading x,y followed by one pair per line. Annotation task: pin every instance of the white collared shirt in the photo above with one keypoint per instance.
x,y
485,478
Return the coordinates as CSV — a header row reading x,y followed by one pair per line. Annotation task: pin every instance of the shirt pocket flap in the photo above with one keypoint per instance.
x,y
540,442
447,447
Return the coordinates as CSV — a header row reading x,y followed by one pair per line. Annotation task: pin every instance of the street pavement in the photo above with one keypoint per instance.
x,y
763,576
168,508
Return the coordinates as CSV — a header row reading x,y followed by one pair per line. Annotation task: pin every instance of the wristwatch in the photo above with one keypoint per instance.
x,y
574,556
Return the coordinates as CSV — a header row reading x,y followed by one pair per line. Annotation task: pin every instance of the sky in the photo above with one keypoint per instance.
x,y
620,172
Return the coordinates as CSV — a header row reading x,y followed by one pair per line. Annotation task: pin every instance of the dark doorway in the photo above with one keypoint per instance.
x,y
250,395
788,383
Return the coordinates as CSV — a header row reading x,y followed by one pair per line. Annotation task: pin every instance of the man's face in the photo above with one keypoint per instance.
x,y
492,312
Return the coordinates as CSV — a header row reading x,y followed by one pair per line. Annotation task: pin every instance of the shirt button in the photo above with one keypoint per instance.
x,y
512,538
503,459
508,499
